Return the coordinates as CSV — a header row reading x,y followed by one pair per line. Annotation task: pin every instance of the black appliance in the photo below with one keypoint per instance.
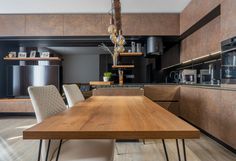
x,y
228,61
154,46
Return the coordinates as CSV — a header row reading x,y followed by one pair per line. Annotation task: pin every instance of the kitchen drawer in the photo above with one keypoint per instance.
x,y
162,92
16,106
173,107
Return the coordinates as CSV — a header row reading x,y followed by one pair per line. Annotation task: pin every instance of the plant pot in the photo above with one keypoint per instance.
x,y
106,79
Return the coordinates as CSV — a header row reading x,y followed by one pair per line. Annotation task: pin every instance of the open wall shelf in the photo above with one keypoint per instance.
x,y
33,59
122,66
131,54
205,58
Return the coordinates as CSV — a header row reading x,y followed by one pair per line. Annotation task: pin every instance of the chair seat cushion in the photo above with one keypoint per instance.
x,y
86,150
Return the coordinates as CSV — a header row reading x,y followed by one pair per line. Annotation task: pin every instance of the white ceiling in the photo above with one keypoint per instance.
x,y
90,6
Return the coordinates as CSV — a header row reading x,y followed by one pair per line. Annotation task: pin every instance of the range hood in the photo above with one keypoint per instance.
x,y
154,46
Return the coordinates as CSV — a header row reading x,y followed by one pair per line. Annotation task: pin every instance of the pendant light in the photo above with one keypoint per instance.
x,y
120,39
112,27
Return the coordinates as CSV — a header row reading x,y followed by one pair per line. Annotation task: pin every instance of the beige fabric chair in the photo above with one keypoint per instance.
x,y
47,101
73,94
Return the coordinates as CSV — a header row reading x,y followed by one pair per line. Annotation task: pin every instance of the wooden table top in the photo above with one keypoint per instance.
x,y
113,117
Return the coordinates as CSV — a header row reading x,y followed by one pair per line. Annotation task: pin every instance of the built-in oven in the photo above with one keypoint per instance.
x,y
188,76
228,61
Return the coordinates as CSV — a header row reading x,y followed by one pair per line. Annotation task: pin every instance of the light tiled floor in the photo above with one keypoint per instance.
x,y
14,148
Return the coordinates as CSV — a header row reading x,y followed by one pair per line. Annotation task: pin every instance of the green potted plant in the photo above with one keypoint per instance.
x,y
107,76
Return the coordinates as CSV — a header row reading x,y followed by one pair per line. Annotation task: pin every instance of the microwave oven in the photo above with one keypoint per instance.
x,y
205,76
188,76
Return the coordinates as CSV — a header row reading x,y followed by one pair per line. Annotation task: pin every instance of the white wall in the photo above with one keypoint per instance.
x,y
80,68
89,6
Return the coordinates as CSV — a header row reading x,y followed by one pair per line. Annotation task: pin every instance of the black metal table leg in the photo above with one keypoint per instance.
x,y
40,147
144,142
46,158
59,149
184,150
177,145
164,145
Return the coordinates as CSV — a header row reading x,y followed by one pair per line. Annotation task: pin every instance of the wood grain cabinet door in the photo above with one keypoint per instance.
x,y
12,25
202,42
196,10
162,92
149,24
228,17
183,50
209,110
173,107
84,25
212,33
190,104
228,117
44,25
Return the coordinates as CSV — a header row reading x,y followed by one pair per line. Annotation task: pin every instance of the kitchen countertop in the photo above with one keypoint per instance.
x,y
141,85
216,87
206,86
131,85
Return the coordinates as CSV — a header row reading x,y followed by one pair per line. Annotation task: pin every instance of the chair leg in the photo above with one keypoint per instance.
x,y
59,149
46,158
164,145
117,150
40,147
144,142
184,150
177,145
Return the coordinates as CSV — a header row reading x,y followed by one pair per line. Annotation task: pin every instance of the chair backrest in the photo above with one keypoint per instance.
x,y
46,101
73,94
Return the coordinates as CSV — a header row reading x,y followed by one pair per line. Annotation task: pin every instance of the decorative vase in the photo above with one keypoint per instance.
x,y
106,79
115,58
121,77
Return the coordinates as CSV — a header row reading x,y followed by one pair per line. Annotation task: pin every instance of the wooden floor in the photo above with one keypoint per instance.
x,y
13,148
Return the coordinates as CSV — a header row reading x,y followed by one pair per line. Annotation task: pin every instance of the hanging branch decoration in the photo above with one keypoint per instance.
x,y
115,30
105,48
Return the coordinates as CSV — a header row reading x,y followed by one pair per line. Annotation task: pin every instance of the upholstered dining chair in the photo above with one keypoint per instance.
x,y
47,101
73,94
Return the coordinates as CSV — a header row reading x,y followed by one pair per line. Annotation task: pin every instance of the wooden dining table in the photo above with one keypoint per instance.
x,y
114,117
